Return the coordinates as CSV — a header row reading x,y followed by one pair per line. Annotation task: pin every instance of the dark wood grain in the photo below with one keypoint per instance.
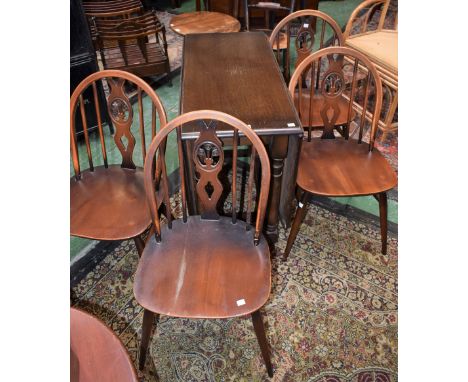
x,y
342,168
248,86
173,276
96,353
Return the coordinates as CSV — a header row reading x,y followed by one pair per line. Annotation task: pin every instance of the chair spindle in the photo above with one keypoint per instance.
x,y
142,124
234,175
249,188
85,131
101,132
364,107
351,96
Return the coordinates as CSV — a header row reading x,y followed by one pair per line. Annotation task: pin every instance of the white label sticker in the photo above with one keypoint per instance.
x,y
290,124
240,302
306,26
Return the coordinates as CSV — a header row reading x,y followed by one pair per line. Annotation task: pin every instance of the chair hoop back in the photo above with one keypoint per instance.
x,y
329,81
304,13
366,10
305,35
121,114
206,154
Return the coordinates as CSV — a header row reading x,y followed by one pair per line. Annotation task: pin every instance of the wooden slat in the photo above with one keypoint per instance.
x,y
101,132
85,130
250,188
353,90
234,175
142,125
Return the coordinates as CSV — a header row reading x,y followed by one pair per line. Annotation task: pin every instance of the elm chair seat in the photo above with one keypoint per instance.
x,y
204,269
108,202
337,167
104,198
317,105
96,353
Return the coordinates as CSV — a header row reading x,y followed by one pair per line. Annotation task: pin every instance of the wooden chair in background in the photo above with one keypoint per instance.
x,y
380,45
113,8
299,34
308,30
137,44
271,13
341,166
107,202
206,266
96,353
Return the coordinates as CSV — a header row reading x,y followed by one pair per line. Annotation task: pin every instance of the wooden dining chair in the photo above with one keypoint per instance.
x,y
305,32
300,34
337,166
107,201
96,353
207,265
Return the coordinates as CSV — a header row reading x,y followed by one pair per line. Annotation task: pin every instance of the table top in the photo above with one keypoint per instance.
x,y
237,73
96,353
204,22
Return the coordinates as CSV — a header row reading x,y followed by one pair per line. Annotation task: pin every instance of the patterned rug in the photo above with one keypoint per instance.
x,y
331,317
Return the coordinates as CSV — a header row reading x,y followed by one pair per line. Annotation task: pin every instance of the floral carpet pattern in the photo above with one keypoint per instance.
x,y
331,316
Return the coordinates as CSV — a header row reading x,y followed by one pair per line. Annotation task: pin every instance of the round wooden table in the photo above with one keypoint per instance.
x,y
204,22
96,353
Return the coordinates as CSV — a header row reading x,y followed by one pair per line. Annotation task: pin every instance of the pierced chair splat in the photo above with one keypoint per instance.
x,y
208,265
107,201
339,166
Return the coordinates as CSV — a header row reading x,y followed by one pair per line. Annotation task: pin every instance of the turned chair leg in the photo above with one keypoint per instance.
x,y
148,319
140,244
301,212
262,341
383,220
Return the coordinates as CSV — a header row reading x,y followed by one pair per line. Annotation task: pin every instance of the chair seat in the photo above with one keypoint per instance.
x,y
96,354
380,47
108,204
204,269
336,167
317,105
